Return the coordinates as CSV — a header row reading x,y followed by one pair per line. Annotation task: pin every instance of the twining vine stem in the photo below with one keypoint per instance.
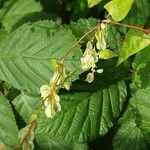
x,y
126,25
32,124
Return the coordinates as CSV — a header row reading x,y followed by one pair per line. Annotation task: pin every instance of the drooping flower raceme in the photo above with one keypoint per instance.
x,y
49,93
51,101
89,60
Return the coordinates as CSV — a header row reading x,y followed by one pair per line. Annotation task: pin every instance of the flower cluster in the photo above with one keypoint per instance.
x,y
49,93
91,56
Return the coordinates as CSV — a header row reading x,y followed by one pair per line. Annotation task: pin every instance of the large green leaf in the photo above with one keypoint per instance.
x,y
8,127
14,10
27,105
118,9
141,65
2,34
46,143
129,135
134,132
84,115
26,55
134,42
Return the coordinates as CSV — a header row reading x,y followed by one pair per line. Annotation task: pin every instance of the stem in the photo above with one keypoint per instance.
x,y
127,26
75,44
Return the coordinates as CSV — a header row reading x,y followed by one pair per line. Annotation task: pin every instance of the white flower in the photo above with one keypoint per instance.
x,y
87,62
67,85
90,77
52,106
51,101
45,91
99,71
103,26
90,57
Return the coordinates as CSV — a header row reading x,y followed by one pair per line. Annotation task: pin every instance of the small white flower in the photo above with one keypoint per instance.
x,y
90,77
51,101
67,85
99,71
90,57
45,91
103,26
87,62
52,106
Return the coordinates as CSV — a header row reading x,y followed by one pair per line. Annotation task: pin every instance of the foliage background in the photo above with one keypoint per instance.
x,y
116,103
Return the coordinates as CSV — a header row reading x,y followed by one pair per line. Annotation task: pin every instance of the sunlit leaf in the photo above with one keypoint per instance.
x,y
118,9
92,3
134,42
107,54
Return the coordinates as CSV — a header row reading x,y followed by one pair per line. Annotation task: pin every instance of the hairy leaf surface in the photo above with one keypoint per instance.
x,y
129,135
27,105
85,115
26,55
14,10
8,127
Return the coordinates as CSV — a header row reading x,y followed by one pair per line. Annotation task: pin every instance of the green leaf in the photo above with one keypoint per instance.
x,y
3,33
118,9
8,127
26,54
129,136
107,54
92,3
134,132
85,115
14,10
141,65
113,38
134,42
27,105
138,14
83,25
44,142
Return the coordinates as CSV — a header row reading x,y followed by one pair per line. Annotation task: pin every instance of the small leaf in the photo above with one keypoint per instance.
x,y
107,54
92,3
134,42
54,63
8,127
118,9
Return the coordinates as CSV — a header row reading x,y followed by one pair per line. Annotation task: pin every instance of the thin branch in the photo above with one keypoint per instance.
x,y
127,26
75,44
